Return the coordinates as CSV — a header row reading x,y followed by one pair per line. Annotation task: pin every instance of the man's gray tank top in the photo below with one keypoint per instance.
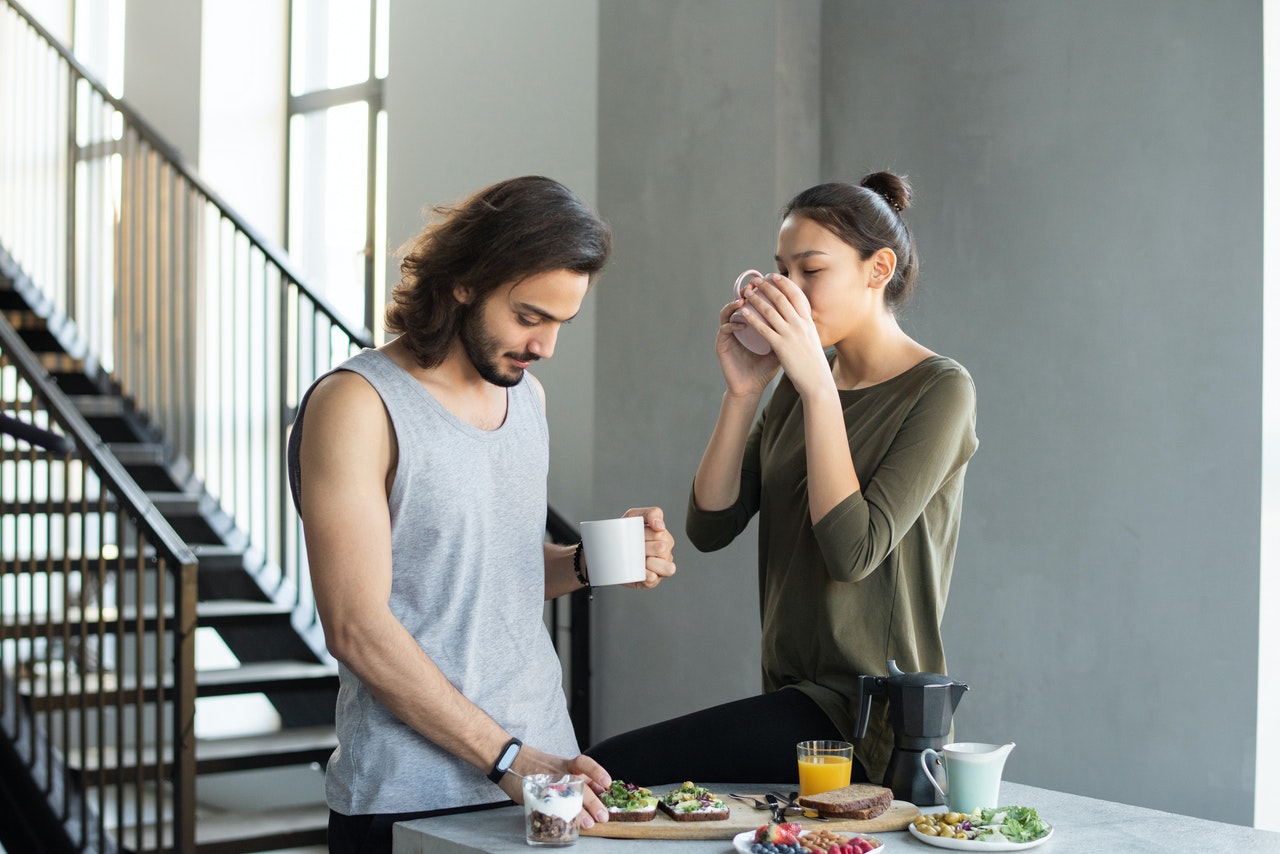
x,y
468,514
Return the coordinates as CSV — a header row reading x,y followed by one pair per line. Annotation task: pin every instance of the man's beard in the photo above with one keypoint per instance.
x,y
484,352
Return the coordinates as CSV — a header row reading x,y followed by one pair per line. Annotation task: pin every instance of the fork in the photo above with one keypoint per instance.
x,y
755,802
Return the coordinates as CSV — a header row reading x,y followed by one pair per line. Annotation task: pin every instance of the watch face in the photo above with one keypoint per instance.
x,y
508,756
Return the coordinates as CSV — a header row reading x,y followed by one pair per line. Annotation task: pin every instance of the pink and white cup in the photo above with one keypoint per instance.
x,y
747,336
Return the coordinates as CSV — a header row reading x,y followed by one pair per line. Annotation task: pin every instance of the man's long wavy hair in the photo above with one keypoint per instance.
x,y
504,233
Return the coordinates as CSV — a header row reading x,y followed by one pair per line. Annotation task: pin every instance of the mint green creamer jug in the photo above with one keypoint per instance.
x,y
973,772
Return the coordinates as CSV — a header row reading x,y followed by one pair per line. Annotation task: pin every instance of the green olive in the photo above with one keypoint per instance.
x,y
953,818
929,830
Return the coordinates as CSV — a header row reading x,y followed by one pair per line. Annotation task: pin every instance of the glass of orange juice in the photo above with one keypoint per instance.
x,y
824,765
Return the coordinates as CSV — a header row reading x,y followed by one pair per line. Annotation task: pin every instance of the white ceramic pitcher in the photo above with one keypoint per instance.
x,y
973,773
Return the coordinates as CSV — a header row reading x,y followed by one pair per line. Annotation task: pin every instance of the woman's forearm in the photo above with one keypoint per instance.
x,y
715,486
832,477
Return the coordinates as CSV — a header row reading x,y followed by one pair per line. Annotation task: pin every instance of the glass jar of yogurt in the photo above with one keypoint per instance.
x,y
551,807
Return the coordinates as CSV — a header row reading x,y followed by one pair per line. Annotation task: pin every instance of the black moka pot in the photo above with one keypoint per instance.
x,y
920,708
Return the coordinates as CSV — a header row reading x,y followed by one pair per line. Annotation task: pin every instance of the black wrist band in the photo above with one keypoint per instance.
x,y
505,760
579,571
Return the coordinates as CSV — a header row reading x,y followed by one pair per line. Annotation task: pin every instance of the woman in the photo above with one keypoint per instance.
x,y
856,466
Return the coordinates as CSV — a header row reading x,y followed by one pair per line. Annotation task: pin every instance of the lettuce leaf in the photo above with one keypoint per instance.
x,y
1013,823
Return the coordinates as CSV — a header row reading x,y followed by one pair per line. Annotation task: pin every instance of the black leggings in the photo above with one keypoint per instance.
x,y
371,834
745,741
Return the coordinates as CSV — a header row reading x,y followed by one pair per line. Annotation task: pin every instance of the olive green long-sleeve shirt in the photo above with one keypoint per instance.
x,y
869,581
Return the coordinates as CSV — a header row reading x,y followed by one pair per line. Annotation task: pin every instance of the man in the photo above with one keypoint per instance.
x,y
420,479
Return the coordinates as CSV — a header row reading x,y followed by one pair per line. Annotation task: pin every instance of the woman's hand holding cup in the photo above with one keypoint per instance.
x,y
745,356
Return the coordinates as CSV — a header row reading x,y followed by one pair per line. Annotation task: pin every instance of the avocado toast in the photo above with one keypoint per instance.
x,y
629,802
693,803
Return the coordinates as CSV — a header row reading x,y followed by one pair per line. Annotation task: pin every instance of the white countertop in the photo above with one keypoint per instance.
x,y
1079,824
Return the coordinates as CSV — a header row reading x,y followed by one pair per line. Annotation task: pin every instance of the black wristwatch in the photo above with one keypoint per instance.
x,y
505,759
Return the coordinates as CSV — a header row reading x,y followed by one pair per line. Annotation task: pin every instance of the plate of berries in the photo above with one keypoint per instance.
x,y
791,838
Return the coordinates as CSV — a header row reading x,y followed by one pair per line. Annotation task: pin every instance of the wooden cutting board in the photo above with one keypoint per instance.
x,y
745,817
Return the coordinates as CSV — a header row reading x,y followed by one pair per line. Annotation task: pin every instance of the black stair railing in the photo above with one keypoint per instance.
x,y
97,625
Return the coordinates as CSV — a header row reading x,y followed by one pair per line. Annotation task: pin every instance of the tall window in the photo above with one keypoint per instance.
x,y
335,225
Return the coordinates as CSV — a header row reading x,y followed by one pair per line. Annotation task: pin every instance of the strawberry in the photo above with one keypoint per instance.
x,y
787,833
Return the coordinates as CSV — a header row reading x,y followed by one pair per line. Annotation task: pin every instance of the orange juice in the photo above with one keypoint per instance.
x,y
823,773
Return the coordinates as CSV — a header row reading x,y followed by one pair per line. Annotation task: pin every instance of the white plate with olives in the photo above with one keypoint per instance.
x,y
977,844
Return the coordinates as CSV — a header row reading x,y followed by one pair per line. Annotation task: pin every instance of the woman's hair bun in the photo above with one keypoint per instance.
x,y
893,188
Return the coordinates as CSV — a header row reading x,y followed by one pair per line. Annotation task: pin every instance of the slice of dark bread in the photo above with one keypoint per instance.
x,y
695,815
858,801
647,814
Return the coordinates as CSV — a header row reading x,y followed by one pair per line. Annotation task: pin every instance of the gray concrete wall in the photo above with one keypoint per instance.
x,y
1090,188
479,92
701,137
1088,177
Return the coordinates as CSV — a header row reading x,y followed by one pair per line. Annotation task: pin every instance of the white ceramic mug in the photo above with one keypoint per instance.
x,y
973,773
747,336
614,549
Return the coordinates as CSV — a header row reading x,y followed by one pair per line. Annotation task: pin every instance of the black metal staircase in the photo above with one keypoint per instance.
x,y
275,659
143,321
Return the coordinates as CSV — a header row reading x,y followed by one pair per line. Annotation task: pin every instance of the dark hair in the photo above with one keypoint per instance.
x,y
506,232
868,217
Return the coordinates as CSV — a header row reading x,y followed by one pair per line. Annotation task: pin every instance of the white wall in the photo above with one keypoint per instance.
x,y
479,92
162,69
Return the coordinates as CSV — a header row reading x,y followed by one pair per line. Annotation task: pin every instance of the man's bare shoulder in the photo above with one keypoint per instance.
x,y
345,405
343,387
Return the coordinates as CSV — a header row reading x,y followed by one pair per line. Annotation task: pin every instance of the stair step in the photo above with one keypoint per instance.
x,y
235,613
298,746
98,405
11,300
46,694
176,503
139,453
110,417
21,317
73,380
218,558
266,676
220,614
60,363
41,340
243,832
